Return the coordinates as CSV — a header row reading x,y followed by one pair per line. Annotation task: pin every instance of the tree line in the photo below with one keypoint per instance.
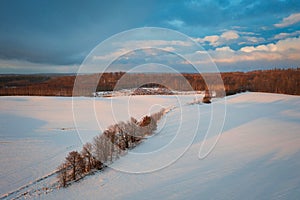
x,y
113,143
284,81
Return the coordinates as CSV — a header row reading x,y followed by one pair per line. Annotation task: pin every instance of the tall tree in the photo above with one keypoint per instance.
x,y
87,156
62,174
76,163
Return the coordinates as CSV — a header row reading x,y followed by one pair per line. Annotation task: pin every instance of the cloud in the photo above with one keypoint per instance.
x,y
211,39
122,48
270,48
155,43
15,66
286,35
229,56
245,32
111,55
289,45
288,21
39,32
169,49
230,35
254,39
176,23
283,51
224,49
215,40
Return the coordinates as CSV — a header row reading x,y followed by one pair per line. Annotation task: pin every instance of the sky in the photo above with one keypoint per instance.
x,y
51,36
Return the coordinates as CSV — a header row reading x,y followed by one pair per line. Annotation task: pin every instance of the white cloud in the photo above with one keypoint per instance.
x,y
129,46
212,39
246,33
270,47
170,49
281,35
231,57
176,23
288,21
287,49
286,35
283,50
230,35
289,44
224,49
254,39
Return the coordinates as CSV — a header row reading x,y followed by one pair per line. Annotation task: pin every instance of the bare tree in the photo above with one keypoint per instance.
x,y
76,163
62,174
110,137
148,125
106,147
87,156
101,148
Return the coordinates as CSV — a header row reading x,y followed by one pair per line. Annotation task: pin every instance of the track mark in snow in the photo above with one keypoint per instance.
x,y
20,192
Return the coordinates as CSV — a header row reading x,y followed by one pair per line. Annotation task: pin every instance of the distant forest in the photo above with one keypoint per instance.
x,y
283,81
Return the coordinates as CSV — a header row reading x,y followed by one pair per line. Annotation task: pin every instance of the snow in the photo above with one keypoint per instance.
x,y
36,133
256,157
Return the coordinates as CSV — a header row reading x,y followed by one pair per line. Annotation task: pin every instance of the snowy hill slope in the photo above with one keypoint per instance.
x,y
257,157
36,133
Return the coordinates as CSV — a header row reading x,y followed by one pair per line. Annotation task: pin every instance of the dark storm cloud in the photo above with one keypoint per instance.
x,y
62,32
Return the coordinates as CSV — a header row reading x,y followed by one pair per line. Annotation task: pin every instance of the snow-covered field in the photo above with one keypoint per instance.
x,y
36,133
256,157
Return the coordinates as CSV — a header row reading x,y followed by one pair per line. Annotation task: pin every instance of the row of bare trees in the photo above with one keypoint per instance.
x,y
285,81
114,142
